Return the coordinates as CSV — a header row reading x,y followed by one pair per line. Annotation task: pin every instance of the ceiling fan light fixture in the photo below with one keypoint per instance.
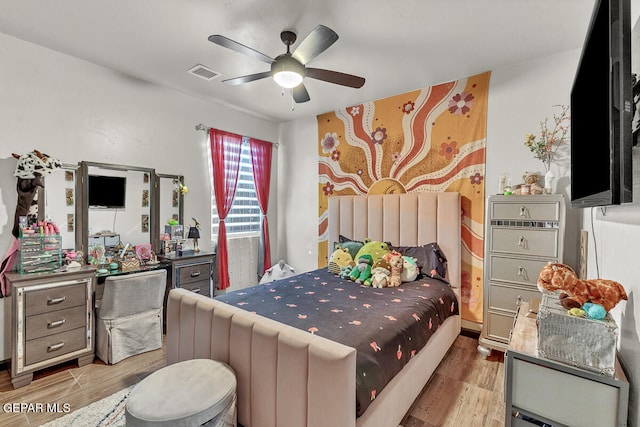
x,y
287,72
287,79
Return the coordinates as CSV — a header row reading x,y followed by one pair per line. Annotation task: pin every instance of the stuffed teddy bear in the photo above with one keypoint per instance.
x,y
396,263
576,292
380,274
340,258
409,269
374,248
362,270
530,178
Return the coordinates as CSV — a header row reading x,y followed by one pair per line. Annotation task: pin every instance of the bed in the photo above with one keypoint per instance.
x,y
288,376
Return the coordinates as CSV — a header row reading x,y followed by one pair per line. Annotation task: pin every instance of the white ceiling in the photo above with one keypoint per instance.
x,y
397,45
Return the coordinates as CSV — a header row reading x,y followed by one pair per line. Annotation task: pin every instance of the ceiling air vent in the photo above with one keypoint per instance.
x,y
203,72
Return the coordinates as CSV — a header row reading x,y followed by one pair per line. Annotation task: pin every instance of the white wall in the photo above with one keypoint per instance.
x,y
75,110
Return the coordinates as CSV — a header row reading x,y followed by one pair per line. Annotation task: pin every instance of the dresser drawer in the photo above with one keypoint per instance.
x,y
54,345
522,271
505,297
193,273
55,298
526,211
55,322
499,325
202,287
524,241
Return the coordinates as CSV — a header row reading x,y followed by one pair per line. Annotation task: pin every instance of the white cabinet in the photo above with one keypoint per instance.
x,y
522,234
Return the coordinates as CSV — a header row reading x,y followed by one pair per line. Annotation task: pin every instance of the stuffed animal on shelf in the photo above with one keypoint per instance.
x,y
396,262
362,271
380,274
340,258
530,179
575,292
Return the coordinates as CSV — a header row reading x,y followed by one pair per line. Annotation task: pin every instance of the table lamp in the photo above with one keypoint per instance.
x,y
194,233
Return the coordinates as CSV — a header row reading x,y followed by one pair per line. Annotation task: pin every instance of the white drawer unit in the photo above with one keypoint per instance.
x,y
522,234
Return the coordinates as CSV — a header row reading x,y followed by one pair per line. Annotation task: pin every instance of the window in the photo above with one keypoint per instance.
x,y
245,215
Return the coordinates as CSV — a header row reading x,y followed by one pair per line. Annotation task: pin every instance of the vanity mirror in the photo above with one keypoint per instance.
x,y
58,202
170,201
117,206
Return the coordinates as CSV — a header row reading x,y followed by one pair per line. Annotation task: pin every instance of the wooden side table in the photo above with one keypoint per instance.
x,y
555,393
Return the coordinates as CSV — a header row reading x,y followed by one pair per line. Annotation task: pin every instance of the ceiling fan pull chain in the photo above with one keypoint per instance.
x,y
293,105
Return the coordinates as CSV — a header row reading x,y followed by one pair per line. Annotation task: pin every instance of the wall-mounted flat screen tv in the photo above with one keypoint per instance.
x,y
107,192
601,110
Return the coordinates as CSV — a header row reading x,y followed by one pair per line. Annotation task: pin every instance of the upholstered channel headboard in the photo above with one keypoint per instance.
x,y
410,219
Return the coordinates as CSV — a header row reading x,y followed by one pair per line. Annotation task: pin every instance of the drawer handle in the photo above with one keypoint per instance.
x,y
54,347
195,290
52,301
195,274
523,211
522,241
56,323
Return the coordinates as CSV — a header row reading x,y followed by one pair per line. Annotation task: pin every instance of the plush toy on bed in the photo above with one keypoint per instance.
x,y
409,269
362,270
396,262
339,260
380,274
374,248
576,292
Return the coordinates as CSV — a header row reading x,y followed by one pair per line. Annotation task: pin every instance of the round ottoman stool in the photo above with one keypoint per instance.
x,y
190,393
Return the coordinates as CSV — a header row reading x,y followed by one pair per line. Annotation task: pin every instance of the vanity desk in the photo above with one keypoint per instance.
x,y
51,320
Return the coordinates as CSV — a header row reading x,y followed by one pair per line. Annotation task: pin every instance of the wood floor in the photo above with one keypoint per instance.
x,y
464,391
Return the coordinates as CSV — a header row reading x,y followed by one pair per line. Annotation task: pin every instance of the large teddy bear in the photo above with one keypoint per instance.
x,y
576,292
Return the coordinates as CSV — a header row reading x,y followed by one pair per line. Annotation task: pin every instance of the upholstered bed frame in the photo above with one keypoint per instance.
x,y
289,377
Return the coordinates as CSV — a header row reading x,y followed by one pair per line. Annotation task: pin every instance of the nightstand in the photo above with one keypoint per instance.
x,y
555,393
52,321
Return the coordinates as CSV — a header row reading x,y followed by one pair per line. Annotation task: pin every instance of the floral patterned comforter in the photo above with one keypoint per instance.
x,y
386,326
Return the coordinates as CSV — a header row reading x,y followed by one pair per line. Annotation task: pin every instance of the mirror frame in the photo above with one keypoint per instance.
x,y
157,203
45,192
82,208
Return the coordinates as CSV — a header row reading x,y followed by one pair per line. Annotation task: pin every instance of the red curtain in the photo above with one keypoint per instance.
x,y
225,157
261,163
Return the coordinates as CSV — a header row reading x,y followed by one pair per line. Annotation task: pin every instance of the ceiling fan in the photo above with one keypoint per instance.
x,y
289,69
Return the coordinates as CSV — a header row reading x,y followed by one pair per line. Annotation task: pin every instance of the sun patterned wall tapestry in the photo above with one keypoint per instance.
x,y
431,139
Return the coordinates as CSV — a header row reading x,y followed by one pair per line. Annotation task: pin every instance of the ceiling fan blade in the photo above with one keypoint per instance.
x,y
240,48
300,94
335,77
315,43
246,79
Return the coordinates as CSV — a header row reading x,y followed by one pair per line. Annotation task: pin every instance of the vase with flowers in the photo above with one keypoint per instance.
x,y
545,146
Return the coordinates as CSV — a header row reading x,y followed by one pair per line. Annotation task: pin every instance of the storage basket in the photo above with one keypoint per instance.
x,y
129,264
584,343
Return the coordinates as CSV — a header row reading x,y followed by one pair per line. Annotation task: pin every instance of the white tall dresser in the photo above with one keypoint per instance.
x,y
522,234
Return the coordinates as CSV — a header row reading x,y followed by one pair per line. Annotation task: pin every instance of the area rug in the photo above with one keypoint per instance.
x,y
108,412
